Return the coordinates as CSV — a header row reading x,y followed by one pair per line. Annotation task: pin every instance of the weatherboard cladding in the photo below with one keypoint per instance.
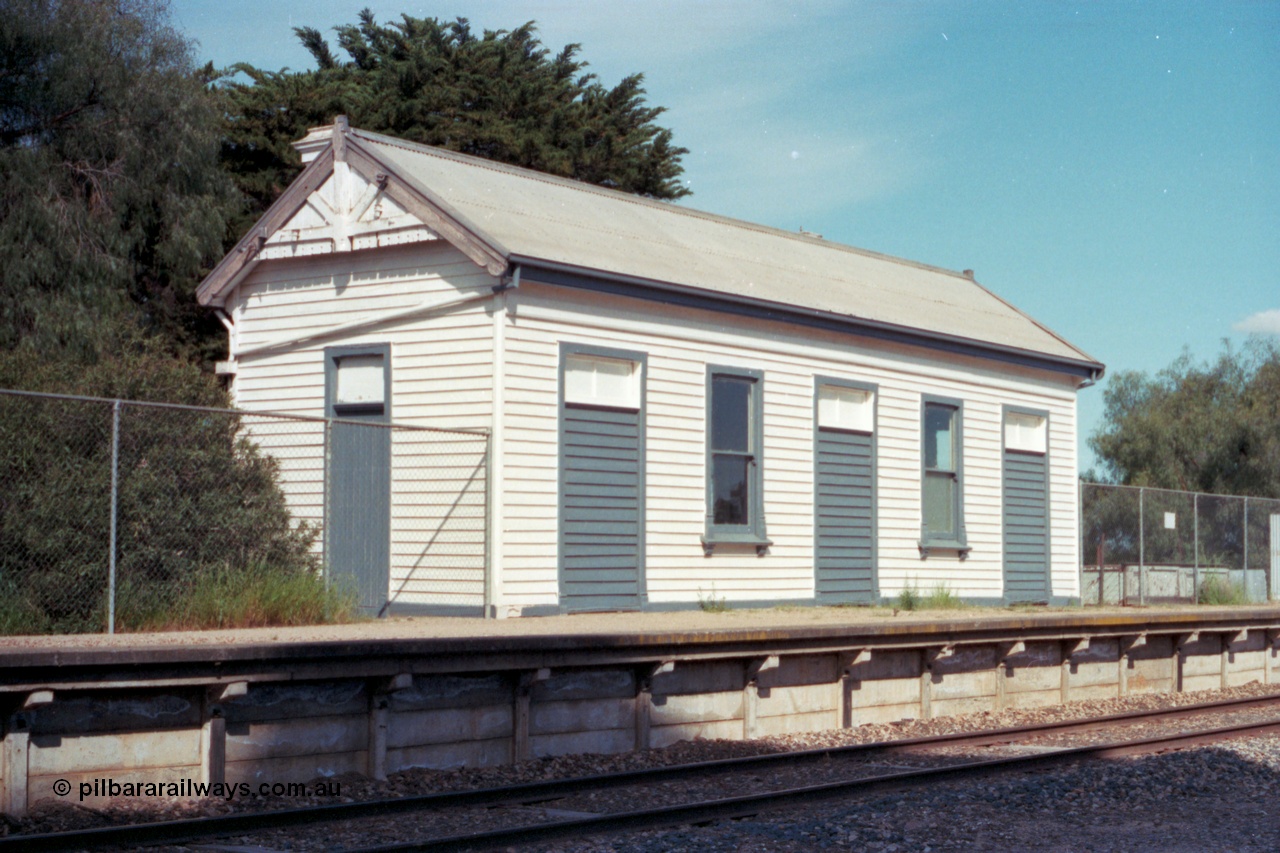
x,y
444,376
680,343
441,376
528,215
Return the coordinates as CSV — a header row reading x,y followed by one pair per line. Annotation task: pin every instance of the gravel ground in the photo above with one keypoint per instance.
x,y
1220,798
1201,796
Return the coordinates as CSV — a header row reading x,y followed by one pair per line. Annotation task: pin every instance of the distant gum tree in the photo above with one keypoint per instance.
x,y
500,95
1208,427
112,199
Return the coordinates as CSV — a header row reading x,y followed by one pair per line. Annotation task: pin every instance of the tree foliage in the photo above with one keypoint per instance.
x,y
1212,427
195,495
500,95
111,194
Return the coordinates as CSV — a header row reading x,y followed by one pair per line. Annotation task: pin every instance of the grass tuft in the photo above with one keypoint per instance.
x,y
251,597
940,598
1219,590
908,599
19,616
710,603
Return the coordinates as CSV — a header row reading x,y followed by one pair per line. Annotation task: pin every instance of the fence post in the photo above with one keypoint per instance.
x,y
1142,542
327,489
1195,547
115,508
490,611
1080,542
1246,545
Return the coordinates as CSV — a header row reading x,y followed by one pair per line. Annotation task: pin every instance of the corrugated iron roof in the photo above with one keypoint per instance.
x,y
536,216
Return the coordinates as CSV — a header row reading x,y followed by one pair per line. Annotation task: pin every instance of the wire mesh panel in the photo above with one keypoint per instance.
x,y
1262,546
438,506
1143,545
1109,525
1110,532
201,503
1168,528
55,514
198,500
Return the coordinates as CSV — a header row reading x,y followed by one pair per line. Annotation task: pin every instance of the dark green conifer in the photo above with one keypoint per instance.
x,y
500,95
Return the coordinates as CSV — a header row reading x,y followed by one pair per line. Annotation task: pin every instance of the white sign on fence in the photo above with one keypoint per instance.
x,y
1170,521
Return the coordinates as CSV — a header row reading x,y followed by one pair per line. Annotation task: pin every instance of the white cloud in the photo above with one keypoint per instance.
x,y
1262,323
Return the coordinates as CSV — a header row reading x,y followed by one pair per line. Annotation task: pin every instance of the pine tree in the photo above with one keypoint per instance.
x,y
500,95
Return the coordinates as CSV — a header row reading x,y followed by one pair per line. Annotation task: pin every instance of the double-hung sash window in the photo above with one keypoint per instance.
x,y
942,499
734,442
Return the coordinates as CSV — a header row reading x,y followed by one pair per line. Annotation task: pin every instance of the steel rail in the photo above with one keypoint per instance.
x,y
753,804
238,824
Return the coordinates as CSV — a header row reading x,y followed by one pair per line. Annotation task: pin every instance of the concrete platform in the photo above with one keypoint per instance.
x,y
287,705
654,626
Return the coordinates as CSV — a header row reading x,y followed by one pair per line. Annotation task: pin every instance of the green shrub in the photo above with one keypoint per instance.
x,y
1219,590
18,615
195,495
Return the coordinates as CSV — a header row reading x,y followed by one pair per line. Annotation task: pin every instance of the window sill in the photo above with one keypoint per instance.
x,y
710,541
927,546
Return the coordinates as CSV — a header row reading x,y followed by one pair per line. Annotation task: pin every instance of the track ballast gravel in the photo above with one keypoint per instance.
x,y
1201,797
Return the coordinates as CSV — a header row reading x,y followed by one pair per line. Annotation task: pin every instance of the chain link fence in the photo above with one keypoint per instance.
x,y
1144,546
115,515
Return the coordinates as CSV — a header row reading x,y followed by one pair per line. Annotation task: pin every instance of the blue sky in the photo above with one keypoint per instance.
x,y
1113,169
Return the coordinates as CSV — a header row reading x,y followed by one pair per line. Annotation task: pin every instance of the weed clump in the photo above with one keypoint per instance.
x,y
255,596
710,603
939,598
1218,590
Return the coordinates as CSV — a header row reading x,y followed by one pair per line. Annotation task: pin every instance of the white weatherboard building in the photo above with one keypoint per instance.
x,y
681,406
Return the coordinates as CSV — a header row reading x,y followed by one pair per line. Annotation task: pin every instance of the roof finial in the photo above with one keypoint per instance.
x,y
340,130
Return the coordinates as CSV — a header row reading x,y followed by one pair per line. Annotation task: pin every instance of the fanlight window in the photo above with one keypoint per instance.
x,y
596,381
850,409
1025,432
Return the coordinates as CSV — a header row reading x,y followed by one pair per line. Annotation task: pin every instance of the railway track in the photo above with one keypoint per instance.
x,y
858,756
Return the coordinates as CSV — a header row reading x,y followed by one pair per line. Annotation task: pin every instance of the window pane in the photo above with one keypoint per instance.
x,y
845,408
1025,432
939,503
360,380
730,413
598,381
729,489
939,442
